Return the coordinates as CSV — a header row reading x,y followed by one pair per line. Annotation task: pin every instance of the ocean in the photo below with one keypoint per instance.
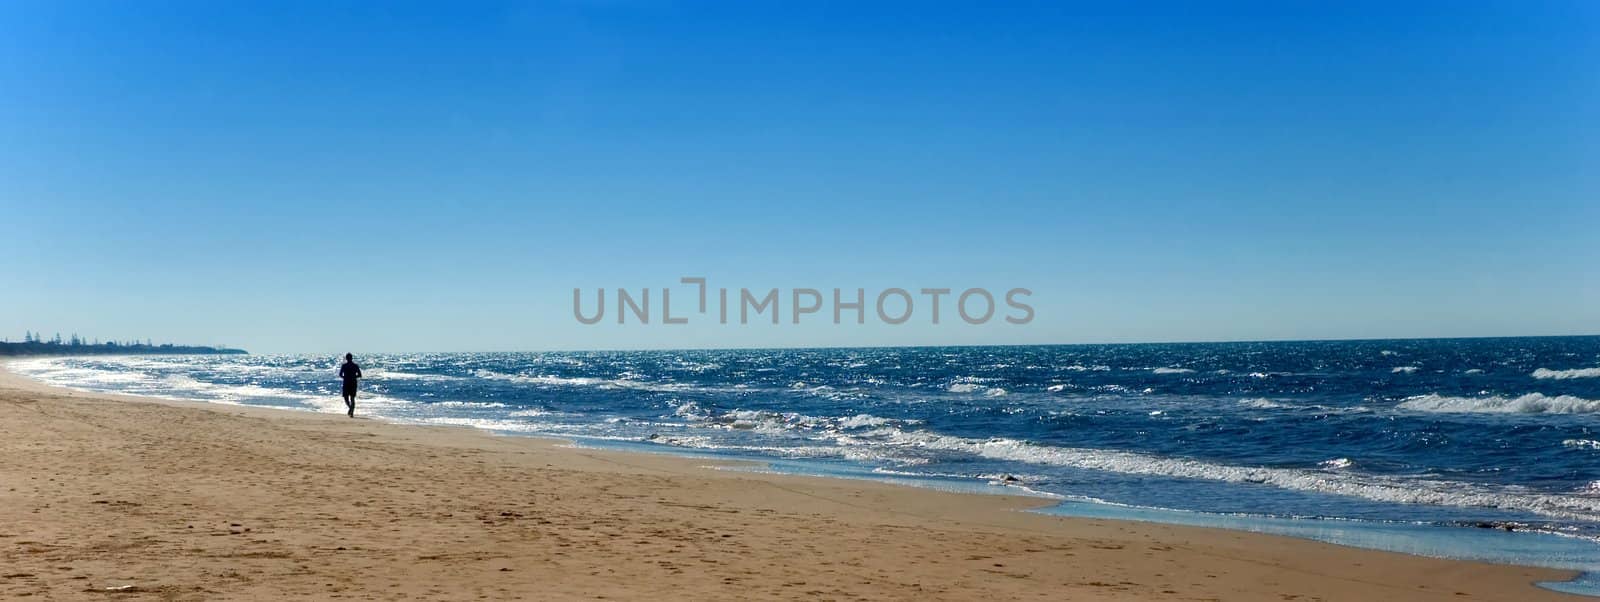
x,y
1469,448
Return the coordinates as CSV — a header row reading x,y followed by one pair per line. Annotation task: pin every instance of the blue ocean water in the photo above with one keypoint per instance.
x,y
1474,448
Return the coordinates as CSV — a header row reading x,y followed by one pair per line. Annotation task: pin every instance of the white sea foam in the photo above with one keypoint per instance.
x,y
56,371
1532,403
394,375
1581,443
976,388
489,424
1404,370
468,404
788,451
534,413
536,380
770,421
1262,403
1413,491
1173,371
1566,374
862,421
581,381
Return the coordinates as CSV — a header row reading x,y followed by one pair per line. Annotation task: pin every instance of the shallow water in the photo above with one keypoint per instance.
x,y
1409,445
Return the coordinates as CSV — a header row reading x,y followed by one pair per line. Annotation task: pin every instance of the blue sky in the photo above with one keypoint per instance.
x,y
323,176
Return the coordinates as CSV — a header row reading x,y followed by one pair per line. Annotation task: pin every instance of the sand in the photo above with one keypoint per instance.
x,y
110,497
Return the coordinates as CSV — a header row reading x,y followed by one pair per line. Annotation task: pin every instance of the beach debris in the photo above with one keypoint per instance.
x,y
118,589
1005,479
1497,525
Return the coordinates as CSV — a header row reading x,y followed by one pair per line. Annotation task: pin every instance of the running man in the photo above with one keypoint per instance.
x,y
351,373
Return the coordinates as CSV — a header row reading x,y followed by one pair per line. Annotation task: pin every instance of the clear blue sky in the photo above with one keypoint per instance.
x,y
323,176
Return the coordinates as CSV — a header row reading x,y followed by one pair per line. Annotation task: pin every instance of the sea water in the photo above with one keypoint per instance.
x,y
1469,448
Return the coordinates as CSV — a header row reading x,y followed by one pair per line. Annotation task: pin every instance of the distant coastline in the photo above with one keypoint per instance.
x,y
112,348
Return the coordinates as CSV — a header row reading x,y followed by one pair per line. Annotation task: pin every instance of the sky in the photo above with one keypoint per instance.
x,y
317,177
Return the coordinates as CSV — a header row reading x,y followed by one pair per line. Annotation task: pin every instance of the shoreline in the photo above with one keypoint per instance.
x,y
579,522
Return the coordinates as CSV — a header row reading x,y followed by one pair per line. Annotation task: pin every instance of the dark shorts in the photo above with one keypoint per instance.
x,y
350,388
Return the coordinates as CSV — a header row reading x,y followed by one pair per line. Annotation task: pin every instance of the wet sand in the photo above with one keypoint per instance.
x,y
113,497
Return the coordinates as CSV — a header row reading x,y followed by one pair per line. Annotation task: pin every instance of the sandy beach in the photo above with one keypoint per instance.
x,y
115,497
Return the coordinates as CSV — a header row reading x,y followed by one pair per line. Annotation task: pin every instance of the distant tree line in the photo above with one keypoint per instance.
x,y
35,344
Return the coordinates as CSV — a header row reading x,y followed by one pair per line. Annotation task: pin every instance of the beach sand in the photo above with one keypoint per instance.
x,y
108,497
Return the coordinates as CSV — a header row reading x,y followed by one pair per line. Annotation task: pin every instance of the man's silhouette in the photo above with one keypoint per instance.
x,y
351,373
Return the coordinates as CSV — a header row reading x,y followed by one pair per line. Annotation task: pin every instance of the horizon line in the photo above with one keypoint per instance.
x,y
1090,344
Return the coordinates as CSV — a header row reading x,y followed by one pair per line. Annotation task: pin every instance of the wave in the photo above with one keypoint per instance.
x,y
1532,403
1566,374
581,381
789,451
534,413
863,421
976,385
1581,443
1262,403
390,375
886,440
1173,371
1337,463
1371,487
767,419
1404,370
536,380
489,424
467,404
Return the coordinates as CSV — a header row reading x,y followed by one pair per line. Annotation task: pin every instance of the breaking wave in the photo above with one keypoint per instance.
x,y
1407,491
1532,403
1566,374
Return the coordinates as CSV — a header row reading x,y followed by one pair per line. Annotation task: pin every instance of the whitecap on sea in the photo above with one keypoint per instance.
x,y
1532,403
1545,373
